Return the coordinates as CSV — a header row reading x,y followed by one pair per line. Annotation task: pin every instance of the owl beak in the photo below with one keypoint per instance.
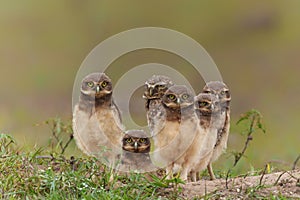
x,y
97,89
178,101
151,91
135,146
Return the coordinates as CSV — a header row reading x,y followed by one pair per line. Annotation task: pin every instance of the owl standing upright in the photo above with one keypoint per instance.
x,y
177,143
136,147
222,93
155,88
96,119
208,110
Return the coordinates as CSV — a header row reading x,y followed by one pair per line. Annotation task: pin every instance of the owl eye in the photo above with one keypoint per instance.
x,y
104,84
161,87
223,92
203,104
129,140
171,97
90,84
142,140
185,96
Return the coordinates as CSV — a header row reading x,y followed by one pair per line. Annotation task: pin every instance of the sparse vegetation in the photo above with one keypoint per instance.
x,y
48,173
253,122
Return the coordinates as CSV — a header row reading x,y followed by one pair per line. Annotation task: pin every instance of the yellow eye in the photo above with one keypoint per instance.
x,y
129,140
223,92
142,140
171,97
185,96
203,103
90,84
104,84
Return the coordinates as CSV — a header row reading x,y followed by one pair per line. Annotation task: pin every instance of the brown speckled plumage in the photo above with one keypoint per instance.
x,y
211,118
155,88
221,91
96,119
178,142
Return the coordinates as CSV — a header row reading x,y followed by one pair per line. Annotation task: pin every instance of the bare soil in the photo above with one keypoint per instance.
x,y
280,184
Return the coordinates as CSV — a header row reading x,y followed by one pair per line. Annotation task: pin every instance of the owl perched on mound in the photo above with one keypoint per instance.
x,y
208,110
136,147
222,93
96,119
155,88
179,141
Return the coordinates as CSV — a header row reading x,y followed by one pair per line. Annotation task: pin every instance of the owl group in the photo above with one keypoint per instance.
x,y
187,133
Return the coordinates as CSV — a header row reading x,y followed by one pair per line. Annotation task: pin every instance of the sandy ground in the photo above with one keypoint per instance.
x,y
286,184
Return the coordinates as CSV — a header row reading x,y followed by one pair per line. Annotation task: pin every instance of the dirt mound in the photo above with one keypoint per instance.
x,y
285,184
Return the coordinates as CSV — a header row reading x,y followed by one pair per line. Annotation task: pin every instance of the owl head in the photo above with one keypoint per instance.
x,y
178,97
156,86
136,141
206,104
220,90
96,85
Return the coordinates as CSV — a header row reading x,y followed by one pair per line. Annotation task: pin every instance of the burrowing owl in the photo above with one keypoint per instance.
x,y
136,147
177,143
208,110
96,119
155,88
222,93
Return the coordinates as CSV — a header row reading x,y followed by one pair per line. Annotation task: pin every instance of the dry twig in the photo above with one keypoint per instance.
x,y
263,174
295,162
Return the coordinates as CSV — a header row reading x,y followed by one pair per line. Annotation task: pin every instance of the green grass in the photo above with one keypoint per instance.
x,y
48,173
32,175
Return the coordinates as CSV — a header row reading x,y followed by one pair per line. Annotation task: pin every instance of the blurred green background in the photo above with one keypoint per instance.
x,y
255,44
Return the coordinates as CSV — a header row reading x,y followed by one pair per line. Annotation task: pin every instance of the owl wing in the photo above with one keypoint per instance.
x,y
86,131
117,111
117,114
222,137
91,137
156,117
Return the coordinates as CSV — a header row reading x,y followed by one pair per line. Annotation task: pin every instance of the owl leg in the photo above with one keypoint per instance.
x,y
211,171
193,176
169,171
184,173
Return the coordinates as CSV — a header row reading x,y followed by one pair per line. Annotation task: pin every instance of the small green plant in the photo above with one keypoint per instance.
x,y
59,131
253,122
5,143
175,183
5,140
